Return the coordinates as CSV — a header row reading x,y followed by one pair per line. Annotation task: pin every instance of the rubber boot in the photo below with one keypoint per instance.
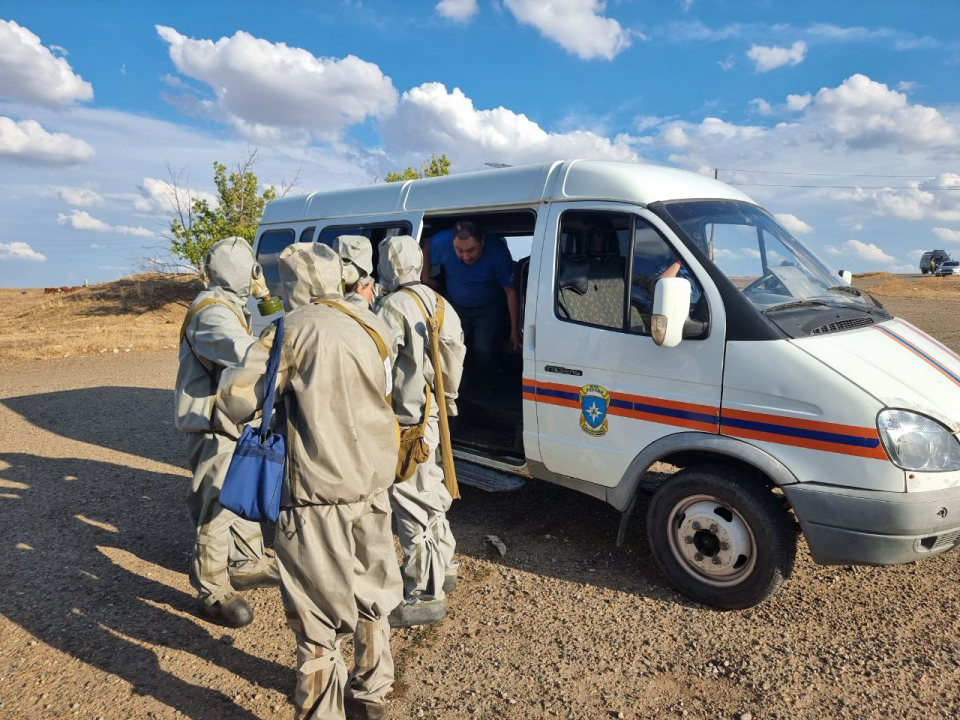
x,y
418,612
357,710
269,576
231,612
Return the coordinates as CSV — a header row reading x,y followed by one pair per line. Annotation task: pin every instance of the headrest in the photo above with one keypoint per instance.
x,y
573,274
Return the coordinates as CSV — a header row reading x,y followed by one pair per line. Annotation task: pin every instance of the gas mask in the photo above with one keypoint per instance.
x,y
268,305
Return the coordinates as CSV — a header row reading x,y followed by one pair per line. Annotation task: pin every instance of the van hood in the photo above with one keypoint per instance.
x,y
898,364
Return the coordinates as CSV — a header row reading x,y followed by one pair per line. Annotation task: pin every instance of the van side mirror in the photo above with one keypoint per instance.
x,y
671,307
847,276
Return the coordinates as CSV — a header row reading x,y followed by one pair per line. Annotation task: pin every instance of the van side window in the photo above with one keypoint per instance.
x,y
272,243
653,258
375,232
594,251
307,235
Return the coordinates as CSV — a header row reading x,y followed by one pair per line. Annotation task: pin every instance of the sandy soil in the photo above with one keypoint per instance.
x,y
141,312
96,621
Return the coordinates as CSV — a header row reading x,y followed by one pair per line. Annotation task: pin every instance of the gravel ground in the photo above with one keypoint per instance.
x,y
96,621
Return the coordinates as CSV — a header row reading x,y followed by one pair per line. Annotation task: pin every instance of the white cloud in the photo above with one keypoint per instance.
x,y
431,119
20,251
864,113
682,134
769,58
726,254
578,26
793,224
860,251
915,255
457,10
266,88
158,197
27,142
936,198
74,196
796,103
947,235
728,63
762,106
30,72
80,220
901,269
685,5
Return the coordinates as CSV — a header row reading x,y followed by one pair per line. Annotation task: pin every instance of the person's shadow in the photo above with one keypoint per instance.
x,y
75,533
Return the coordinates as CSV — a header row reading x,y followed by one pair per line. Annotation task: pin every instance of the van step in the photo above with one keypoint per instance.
x,y
487,479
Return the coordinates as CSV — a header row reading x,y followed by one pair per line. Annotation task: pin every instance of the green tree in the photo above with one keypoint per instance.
x,y
195,225
436,166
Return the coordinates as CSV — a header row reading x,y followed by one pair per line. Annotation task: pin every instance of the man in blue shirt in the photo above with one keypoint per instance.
x,y
480,276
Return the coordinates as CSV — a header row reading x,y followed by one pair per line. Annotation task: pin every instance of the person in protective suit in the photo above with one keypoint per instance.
x,y
228,554
420,503
334,544
357,257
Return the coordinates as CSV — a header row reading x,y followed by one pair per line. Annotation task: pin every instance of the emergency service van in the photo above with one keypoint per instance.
x,y
668,318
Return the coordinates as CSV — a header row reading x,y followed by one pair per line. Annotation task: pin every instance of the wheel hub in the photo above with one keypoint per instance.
x,y
711,541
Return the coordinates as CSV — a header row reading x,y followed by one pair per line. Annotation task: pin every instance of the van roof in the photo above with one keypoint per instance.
x,y
512,186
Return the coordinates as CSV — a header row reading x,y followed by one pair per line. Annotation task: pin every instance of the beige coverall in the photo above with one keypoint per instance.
x,y
334,546
216,337
420,504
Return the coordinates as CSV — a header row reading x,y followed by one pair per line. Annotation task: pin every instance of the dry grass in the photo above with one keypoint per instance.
x,y
945,288
140,312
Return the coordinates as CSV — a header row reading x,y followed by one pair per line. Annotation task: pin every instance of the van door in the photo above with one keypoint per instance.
x,y
603,389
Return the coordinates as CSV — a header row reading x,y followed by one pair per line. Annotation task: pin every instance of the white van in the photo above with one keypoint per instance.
x,y
769,380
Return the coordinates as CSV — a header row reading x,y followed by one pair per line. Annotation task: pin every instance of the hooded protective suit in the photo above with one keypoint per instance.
x,y
334,546
357,257
420,503
216,337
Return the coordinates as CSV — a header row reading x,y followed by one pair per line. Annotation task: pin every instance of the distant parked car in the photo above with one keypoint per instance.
x,y
932,259
951,267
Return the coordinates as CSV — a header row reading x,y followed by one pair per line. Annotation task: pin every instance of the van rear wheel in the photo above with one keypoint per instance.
x,y
720,537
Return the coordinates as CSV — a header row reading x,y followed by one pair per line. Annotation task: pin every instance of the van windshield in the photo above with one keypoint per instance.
x,y
770,267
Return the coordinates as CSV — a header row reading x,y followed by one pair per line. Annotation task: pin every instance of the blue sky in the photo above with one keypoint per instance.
x,y
98,99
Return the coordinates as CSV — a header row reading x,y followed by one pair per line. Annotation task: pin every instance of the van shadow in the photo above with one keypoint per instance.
x,y
554,531
79,537
134,420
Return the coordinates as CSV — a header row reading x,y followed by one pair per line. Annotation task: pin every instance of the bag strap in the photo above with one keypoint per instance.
x,y
270,379
432,333
374,335
203,304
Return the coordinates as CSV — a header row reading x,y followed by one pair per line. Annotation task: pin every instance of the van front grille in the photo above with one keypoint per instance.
x,y
842,325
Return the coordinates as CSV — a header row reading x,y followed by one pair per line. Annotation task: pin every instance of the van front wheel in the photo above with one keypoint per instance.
x,y
720,538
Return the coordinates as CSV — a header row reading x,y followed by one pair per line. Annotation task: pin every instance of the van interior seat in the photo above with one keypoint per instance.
x,y
591,285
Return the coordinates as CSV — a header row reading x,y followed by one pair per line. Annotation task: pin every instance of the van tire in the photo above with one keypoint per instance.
x,y
738,529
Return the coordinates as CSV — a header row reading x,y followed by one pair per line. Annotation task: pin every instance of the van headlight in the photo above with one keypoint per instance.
x,y
915,442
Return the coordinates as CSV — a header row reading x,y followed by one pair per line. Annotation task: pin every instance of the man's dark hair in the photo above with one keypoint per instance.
x,y
466,229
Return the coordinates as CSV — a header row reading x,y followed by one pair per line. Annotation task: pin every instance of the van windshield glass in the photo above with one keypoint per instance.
x,y
769,266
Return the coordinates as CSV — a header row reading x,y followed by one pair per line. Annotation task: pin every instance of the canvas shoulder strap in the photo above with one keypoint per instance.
x,y
203,304
374,335
423,308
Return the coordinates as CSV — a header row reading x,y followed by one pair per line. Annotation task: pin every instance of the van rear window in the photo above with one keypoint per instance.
x,y
272,243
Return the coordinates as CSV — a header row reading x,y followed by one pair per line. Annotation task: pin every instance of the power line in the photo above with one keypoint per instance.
x,y
847,187
806,174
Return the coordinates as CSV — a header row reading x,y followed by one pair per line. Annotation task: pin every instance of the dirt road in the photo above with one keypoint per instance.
x,y
96,621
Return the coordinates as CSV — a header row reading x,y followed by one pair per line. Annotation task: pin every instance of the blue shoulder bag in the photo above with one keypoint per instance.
x,y
251,488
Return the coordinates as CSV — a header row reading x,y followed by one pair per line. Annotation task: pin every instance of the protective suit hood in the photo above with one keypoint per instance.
x,y
400,262
309,271
355,250
229,266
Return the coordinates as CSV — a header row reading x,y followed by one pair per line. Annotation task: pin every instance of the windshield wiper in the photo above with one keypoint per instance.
x,y
849,290
795,304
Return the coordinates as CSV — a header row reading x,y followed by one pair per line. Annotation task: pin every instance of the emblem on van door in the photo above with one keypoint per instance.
x,y
594,401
